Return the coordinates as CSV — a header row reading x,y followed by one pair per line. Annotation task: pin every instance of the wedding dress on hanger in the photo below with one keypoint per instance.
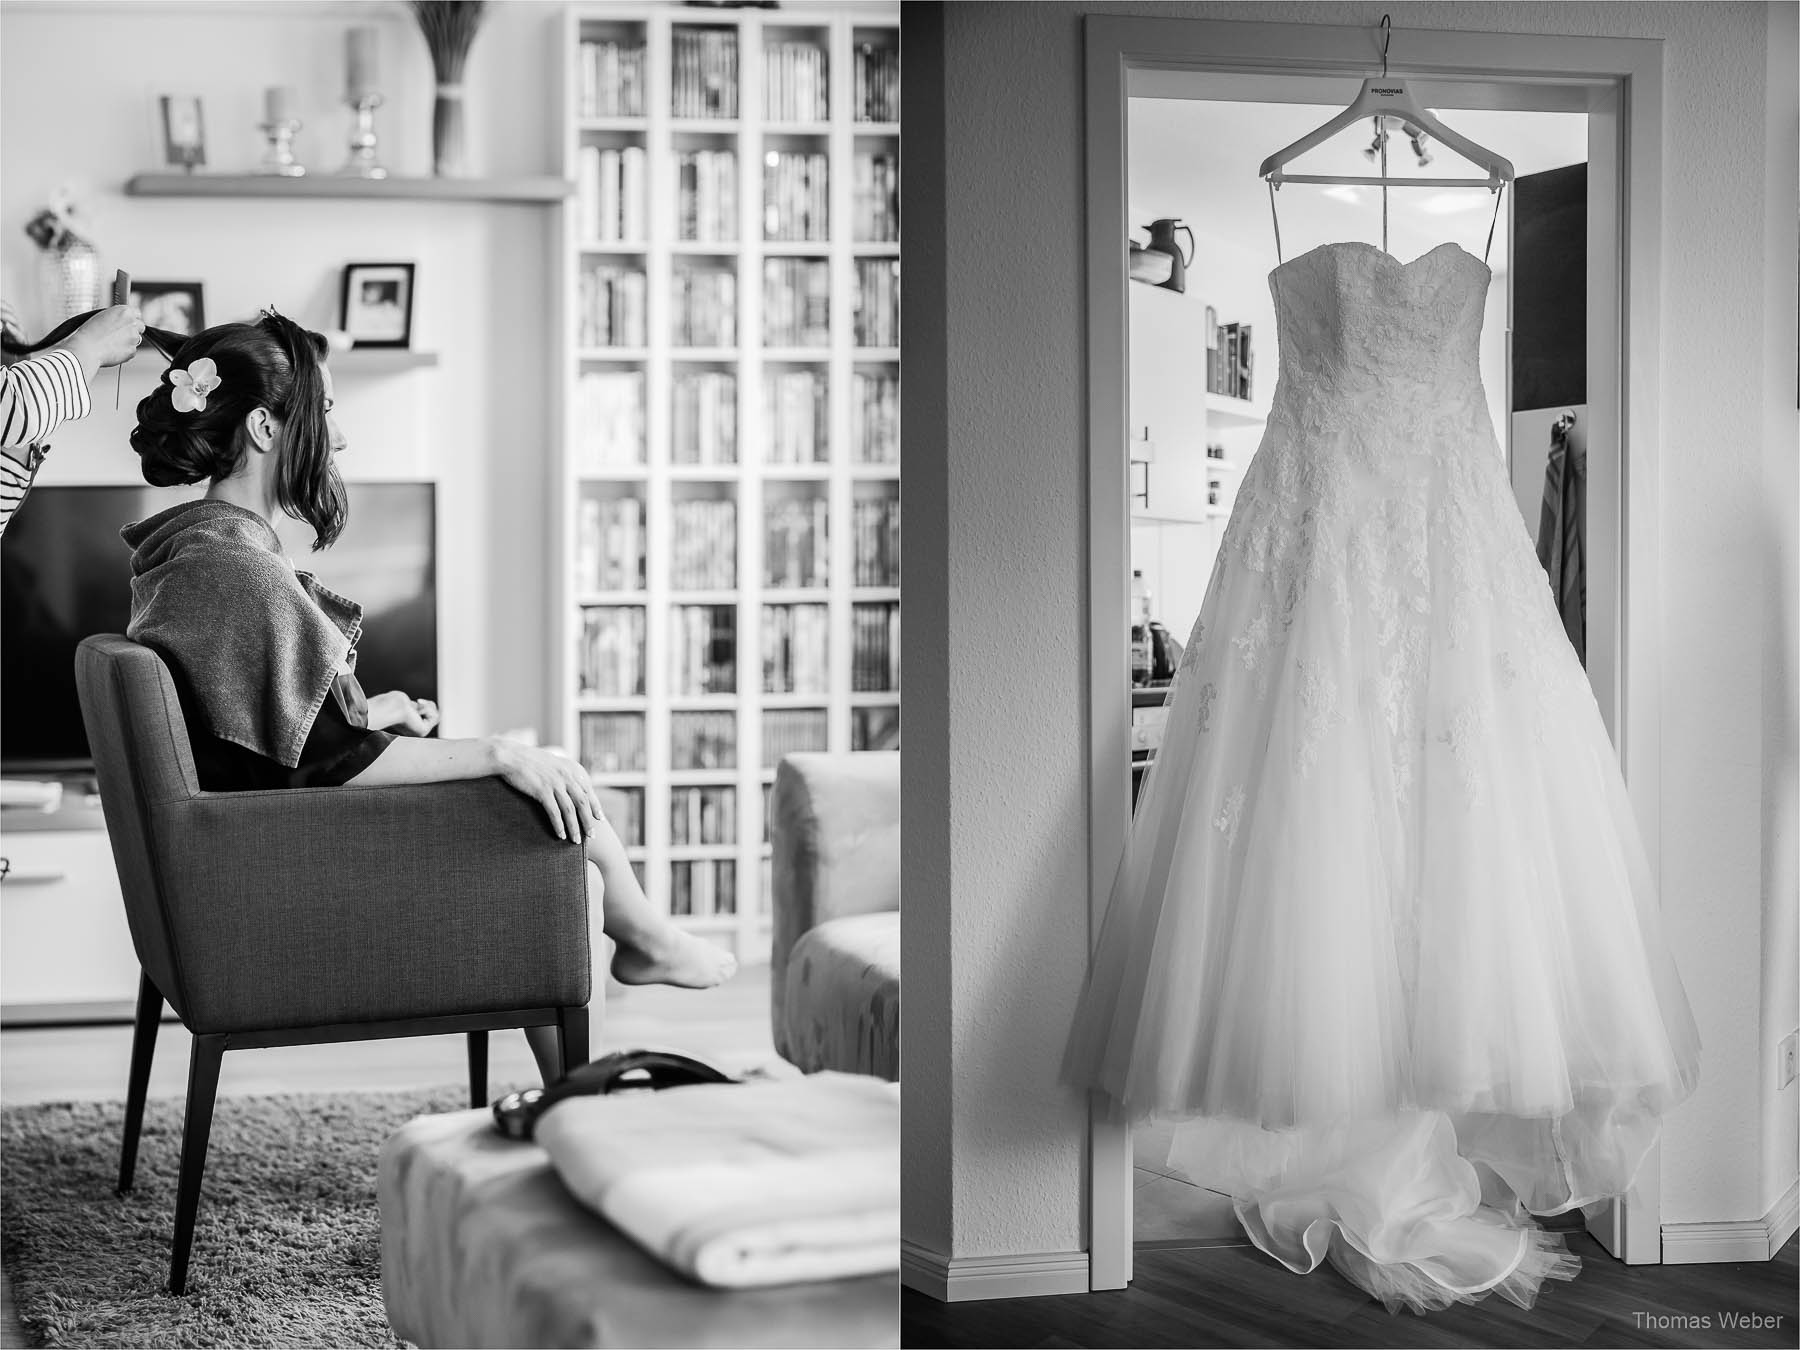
x,y
1385,936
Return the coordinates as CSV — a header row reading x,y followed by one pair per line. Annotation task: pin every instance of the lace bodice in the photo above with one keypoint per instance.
x,y
1358,327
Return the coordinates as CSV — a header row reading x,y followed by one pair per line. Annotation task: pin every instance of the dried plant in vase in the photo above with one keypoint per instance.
x,y
449,27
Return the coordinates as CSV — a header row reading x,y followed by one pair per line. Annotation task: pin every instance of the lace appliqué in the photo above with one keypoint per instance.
x,y
1208,692
1471,725
1230,813
1318,712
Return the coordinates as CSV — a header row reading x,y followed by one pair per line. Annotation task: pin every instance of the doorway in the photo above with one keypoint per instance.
x,y
1213,99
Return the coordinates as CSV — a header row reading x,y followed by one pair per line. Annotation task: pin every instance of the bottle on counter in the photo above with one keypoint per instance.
x,y
1142,659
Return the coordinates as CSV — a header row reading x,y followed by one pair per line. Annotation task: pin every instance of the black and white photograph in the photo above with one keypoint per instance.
x,y
176,306
378,304
183,126
1330,702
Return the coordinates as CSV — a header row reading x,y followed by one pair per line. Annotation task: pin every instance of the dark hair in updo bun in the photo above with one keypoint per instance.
x,y
274,364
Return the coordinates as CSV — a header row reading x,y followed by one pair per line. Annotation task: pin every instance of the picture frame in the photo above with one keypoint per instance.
x,y
377,304
177,306
183,131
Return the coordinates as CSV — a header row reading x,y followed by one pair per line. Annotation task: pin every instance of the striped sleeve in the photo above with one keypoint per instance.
x,y
38,393
16,476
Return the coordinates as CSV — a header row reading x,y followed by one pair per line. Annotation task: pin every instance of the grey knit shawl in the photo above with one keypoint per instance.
x,y
254,644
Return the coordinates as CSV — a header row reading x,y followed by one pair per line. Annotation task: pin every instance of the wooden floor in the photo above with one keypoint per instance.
x,y
728,1026
1234,1295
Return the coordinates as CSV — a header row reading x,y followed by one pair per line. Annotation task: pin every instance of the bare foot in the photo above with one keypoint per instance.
x,y
686,961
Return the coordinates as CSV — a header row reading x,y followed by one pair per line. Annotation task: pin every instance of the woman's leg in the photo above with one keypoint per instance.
x,y
651,948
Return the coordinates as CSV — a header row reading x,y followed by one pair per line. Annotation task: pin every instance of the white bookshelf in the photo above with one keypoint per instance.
x,y
754,481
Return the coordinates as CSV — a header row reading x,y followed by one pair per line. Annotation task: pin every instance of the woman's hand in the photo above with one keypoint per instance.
x,y
555,782
396,711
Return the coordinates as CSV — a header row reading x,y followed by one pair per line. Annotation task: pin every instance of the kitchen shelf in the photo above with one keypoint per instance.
x,y
381,360
542,191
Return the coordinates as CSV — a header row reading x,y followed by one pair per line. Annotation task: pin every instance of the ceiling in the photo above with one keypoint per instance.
x,y
1198,159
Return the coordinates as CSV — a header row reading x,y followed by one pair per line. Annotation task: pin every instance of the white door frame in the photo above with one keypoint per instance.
x,y
1619,82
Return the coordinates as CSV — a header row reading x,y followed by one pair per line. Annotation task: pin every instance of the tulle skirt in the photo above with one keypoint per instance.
x,y
1385,931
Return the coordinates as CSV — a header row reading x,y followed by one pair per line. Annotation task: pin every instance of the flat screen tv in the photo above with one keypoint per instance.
x,y
66,574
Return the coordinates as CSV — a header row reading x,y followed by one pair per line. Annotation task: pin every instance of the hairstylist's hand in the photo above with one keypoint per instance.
x,y
110,338
555,782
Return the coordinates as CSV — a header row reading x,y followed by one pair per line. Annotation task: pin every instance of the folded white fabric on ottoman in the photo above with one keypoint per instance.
x,y
742,1184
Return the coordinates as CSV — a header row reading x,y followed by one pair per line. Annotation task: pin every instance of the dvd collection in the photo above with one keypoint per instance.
x,y
795,417
612,651
875,647
877,302
609,420
875,417
796,545
610,194
706,196
794,647
794,87
703,886
788,731
612,79
795,197
612,742
875,198
875,534
703,544
703,740
612,306
703,815
796,302
703,417
705,75
703,307
703,650
609,543
876,82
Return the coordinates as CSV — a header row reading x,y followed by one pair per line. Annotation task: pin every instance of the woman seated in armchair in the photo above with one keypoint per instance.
x,y
264,657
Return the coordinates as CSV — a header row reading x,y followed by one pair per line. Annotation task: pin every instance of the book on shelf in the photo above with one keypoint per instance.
x,y
875,728
875,198
795,642
794,197
875,536
702,815
704,80
703,417
794,82
609,420
706,196
625,812
876,302
703,307
612,651
610,193
612,78
609,543
795,417
612,306
875,646
796,302
1229,364
875,417
875,82
703,544
612,742
703,739
703,650
789,731
702,887
796,542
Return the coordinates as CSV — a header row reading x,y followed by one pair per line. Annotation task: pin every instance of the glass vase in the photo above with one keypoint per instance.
x,y
448,151
69,281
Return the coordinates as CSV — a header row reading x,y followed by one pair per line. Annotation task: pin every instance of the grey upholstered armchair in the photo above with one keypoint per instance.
x,y
323,914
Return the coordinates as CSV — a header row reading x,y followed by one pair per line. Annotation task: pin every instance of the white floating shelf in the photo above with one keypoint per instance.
x,y
1224,411
542,191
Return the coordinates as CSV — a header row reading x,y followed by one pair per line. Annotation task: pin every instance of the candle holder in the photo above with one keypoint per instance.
x,y
363,162
278,159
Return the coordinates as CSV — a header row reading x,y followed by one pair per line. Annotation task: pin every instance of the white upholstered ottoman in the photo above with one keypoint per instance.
x,y
482,1246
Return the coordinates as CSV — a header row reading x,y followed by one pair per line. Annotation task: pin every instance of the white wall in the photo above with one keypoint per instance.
x,y
77,87
997,921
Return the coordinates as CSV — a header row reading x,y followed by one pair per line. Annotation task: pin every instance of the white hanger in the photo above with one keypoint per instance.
x,y
1389,96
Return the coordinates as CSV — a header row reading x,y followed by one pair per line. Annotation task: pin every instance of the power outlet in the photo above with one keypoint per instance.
x,y
1790,1051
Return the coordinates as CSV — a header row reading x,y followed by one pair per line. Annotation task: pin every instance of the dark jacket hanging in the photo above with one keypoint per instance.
x,y
1560,539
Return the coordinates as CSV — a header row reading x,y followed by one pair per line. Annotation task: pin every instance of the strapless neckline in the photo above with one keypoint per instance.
x,y
1382,254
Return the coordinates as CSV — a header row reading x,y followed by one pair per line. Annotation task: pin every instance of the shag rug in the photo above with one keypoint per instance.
x,y
287,1249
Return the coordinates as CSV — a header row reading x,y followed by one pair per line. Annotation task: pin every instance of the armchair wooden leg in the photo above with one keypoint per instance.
x,y
478,1067
572,1037
203,1088
137,1085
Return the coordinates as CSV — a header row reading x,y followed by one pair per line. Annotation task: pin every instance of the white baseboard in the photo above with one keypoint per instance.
x,y
1743,1240
962,1279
